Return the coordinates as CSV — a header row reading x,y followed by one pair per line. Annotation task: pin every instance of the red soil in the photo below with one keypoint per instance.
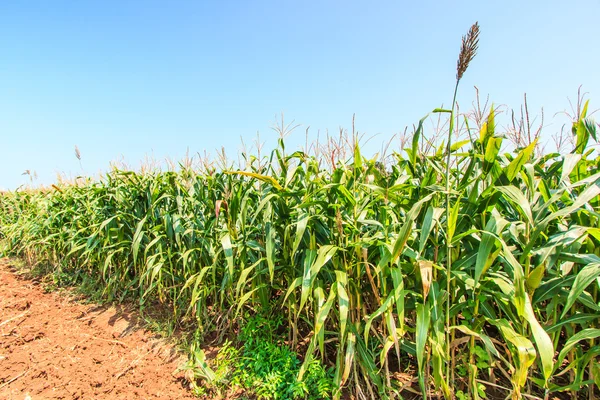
x,y
51,347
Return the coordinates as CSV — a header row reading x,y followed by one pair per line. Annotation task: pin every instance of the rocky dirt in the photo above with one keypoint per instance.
x,y
53,347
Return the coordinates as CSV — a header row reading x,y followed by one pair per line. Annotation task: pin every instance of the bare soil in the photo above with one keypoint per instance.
x,y
52,347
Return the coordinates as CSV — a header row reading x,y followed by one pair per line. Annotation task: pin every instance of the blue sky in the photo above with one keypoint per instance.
x,y
126,79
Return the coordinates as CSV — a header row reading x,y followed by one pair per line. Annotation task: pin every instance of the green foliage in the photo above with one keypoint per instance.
x,y
460,395
269,368
262,365
351,261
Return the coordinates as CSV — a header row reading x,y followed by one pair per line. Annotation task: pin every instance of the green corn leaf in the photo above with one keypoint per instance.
x,y
270,249
524,352
387,303
228,249
585,334
202,365
243,279
263,203
491,152
596,372
423,318
595,232
367,362
76,249
590,127
569,163
552,288
542,341
487,341
453,219
415,144
580,258
389,343
517,163
308,357
591,192
577,386
582,130
431,218
396,334
319,296
290,175
371,222
399,294
587,300
485,255
357,159
349,358
263,178
407,227
518,199
346,195
197,280
437,363
324,254
153,242
579,319
343,301
245,298
324,310
137,239
300,229
519,298
586,276
105,223
459,144
295,284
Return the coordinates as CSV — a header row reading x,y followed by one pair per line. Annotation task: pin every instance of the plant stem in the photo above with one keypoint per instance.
x,y
448,244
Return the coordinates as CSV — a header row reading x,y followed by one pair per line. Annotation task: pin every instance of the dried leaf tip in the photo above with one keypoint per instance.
x,y
77,153
468,49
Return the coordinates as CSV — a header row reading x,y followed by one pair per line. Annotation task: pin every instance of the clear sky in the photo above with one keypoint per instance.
x,y
124,79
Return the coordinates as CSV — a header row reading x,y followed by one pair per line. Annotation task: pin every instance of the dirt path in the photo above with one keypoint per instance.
x,y
54,348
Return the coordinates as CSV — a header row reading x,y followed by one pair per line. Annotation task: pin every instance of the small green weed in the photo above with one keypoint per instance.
x,y
261,365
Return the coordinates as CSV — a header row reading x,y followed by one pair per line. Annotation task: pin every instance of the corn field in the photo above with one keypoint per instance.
x,y
463,266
